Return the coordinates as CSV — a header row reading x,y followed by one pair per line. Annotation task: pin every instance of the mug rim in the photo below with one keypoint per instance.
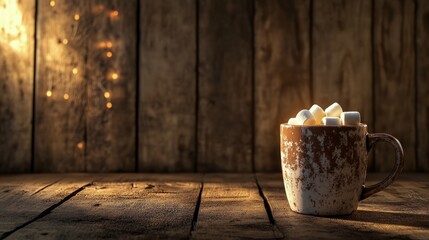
x,y
361,125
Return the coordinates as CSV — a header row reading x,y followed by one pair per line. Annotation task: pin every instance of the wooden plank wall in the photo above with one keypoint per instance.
x,y
202,85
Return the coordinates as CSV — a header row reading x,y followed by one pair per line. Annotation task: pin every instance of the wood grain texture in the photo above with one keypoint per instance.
x,y
24,197
396,212
167,86
225,86
422,85
282,73
59,139
16,84
395,79
160,206
143,210
231,208
111,133
342,59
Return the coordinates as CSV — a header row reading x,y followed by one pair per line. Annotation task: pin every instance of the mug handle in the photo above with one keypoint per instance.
x,y
371,139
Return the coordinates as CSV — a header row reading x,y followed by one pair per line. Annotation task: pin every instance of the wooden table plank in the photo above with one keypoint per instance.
x,y
167,86
24,197
225,86
154,209
282,73
396,212
16,84
231,208
151,206
394,49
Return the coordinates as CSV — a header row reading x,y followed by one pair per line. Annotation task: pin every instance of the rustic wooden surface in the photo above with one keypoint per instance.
x,y
111,133
167,86
225,86
16,84
221,214
422,63
210,206
394,49
282,73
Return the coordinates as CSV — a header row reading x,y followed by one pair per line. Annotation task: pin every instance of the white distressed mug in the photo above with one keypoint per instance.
x,y
324,167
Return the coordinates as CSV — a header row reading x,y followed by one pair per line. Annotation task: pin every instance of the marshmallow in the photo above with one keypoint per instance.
x,y
318,113
304,117
350,118
292,121
331,121
334,110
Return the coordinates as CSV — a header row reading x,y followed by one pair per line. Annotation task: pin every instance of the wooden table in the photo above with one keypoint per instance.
x,y
209,206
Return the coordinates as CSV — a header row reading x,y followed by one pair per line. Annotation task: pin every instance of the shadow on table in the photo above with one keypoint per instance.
x,y
395,218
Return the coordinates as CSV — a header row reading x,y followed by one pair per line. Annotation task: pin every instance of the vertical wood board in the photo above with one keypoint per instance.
x,y
282,73
111,132
422,85
225,86
59,139
167,86
395,80
16,84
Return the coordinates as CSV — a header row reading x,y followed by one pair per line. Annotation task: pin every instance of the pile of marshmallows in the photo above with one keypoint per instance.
x,y
332,116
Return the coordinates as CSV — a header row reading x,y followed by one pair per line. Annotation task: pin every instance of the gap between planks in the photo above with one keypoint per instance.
x,y
46,211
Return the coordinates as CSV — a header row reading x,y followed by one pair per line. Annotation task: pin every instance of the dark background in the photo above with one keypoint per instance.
x,y
202,85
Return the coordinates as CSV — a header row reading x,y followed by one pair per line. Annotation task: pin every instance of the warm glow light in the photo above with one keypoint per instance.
x,y
109,105
52,3
109,54
109,44
65,41
74,71
114,13
106,94
13,32
49,93
80,145
115,76
66,96
76,17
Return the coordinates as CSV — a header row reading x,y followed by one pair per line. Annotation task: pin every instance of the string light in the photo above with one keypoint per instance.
x,y
114,13
109,105
80,145
107,45
115,76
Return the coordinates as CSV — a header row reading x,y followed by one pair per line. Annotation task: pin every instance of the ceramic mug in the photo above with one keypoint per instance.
x,y
324,167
